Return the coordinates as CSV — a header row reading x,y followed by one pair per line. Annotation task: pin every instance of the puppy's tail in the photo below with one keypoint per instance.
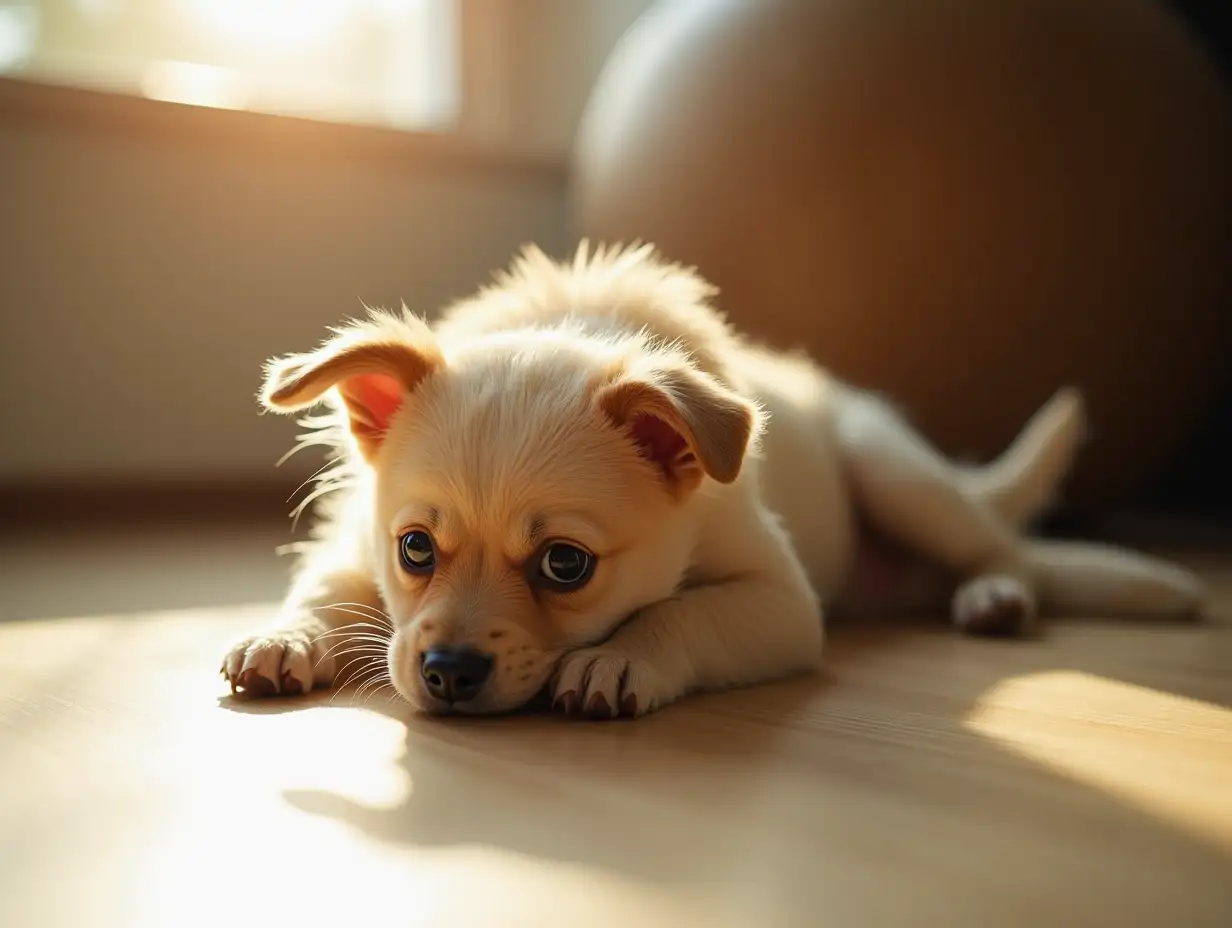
x,y
1023,481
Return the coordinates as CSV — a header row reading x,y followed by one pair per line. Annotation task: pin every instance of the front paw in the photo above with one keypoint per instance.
x,y
283,663
605,683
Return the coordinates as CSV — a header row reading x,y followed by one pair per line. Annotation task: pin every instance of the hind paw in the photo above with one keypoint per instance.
x,y
994,605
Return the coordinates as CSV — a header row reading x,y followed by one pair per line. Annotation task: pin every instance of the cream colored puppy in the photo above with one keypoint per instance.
x,y
583,479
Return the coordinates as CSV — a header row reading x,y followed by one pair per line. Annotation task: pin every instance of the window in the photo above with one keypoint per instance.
x,y
390,63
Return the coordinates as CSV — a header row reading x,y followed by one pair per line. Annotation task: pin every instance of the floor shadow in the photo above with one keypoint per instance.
x,y
245,705
871,766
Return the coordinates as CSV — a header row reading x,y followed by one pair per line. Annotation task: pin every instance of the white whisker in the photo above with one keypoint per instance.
x,y
376,649
363,668
319,472
367,662
316,494
294,547
387,684
354,631
361,675
366,638
362,615
376,679
299,446
343,629
373,610
357,630
345,607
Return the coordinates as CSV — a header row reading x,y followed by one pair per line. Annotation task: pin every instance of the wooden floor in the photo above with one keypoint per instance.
x,y
923,780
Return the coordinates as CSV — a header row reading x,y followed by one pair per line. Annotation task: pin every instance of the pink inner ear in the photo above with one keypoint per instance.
x,y
659,442
372,400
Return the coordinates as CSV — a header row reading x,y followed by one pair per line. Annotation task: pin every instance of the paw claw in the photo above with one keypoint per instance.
x,y
252,683
598,708
289,662
605,682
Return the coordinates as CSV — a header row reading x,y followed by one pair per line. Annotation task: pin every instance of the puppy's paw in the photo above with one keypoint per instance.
x,y
605,683
994,605
283,663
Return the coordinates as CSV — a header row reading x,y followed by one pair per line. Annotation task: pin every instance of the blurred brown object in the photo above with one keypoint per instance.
x,y
964,205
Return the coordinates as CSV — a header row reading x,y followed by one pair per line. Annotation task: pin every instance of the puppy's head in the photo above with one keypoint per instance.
x,y
532,490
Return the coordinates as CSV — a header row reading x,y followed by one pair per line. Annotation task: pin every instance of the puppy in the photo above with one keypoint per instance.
x,y
582,479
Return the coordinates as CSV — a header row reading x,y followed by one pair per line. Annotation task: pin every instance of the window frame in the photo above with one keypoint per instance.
x,y
483,133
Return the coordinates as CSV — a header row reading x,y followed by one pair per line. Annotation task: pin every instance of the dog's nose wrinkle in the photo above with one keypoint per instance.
x,y
455,674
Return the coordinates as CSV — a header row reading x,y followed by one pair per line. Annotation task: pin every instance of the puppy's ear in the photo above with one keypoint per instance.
x,y
684,422
375,365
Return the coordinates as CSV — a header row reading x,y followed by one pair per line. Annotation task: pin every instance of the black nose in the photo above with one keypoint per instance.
x,y
455,674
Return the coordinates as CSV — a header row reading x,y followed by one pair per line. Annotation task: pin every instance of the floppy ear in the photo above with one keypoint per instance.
x,y
684,422
375,365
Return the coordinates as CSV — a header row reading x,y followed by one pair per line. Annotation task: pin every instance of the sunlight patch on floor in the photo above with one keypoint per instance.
x,y
243,829
1088,728
201,814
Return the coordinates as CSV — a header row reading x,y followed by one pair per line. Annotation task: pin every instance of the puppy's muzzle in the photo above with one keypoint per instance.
x,y
455,675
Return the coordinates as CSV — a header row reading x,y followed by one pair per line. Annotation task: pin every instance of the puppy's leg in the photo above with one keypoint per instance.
x,y
1018,486
757,624
915,496
1091,579
910,492
330,612
709,637
1076,577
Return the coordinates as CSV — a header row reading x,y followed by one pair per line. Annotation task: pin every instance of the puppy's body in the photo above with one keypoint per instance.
x,y
703,500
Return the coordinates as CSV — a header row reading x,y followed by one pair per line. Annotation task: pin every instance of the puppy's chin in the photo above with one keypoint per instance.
x,y
422,701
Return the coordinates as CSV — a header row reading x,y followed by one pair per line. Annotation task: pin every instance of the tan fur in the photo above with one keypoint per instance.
x,y
714,424
719,486
377,360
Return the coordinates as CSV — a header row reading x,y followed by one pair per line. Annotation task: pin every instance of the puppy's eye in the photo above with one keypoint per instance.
x,y
417,552
565,567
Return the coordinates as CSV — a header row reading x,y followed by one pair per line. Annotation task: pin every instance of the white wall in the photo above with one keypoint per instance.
x,y
143,282
144,278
